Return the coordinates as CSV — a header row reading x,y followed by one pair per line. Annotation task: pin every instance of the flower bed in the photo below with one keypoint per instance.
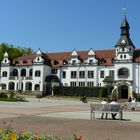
x,y
9,134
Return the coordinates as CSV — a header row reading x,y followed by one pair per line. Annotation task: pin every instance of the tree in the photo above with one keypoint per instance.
x,y
13,51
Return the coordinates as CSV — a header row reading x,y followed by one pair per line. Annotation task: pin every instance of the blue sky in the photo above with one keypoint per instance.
x,y
64,25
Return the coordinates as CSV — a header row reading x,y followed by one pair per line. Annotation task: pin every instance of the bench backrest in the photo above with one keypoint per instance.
x,y
106,107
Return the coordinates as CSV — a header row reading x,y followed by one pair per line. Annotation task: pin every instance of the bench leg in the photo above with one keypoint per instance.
x,y
121,115
92,115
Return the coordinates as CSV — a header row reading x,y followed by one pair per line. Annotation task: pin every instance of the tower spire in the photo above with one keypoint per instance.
x,y
124,10
125,27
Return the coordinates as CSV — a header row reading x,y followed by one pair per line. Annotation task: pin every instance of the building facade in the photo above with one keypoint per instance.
x,y
118,69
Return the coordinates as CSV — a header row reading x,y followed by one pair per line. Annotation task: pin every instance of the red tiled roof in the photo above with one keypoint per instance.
x,y
59,57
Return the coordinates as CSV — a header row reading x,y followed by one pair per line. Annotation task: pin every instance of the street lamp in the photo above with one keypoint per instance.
x,y
52,86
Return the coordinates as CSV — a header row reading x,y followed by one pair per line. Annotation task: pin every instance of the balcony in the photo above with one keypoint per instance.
x,y
12,78
28,78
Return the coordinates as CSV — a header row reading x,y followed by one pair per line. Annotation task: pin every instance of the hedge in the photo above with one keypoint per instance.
x,y
81,91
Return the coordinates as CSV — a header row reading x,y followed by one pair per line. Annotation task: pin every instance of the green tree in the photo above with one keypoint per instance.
x,y
13,51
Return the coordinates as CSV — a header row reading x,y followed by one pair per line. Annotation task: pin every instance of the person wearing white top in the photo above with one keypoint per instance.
x,y
103,103
133,104
114,114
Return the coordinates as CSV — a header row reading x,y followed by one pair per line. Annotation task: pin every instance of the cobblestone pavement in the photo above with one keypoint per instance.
x,y
65,118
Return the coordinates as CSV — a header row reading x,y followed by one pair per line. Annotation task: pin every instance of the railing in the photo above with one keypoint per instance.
x,y
12,78
29,78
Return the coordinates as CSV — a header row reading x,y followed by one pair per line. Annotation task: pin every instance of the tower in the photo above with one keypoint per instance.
x,y
124,48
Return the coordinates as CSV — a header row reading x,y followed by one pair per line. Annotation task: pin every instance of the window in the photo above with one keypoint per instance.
x,y
15,72
73,84
101,74
64,74
123,49
4,74
37,87
56,62
54,71
111,73
30,72
16,62
38,59
24,62
121,56
90,84
23,72
73,74
124,56
3,86
81,74
11,86
90,74
81,84
74,62
90,61
65,62
28,86
123,73
37,73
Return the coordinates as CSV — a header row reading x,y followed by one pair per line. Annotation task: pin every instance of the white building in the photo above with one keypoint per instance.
x,y
118,68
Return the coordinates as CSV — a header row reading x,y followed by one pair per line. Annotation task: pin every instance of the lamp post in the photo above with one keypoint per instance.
x,y
52,86
39,95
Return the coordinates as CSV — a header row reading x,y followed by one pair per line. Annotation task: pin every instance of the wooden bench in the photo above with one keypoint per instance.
x,y
106,108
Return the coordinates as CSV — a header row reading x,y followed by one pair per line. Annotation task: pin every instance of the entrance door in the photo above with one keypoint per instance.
x,y
124,92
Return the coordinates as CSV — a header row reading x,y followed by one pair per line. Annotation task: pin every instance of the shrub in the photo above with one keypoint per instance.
x,y
3,95
81,91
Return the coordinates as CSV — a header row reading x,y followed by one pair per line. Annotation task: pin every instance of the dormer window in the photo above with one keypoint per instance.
x,y
16,62
24,62
38,59
65,62
123,49
90,61
74,62
56,62
5,60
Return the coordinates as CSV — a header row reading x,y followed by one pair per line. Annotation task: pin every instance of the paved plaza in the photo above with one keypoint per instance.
x,y
67,117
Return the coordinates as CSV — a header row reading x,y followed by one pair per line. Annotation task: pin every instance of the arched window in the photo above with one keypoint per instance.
x,y
4,74
11,86
23,72
37,87
28,86
15,72
30,72
3,86
121,56
123,73
37,73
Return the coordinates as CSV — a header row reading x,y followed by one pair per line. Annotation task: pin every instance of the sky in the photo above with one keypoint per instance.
x,y
65,25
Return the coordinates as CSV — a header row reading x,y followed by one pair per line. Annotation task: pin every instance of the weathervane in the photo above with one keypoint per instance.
x,y
124,11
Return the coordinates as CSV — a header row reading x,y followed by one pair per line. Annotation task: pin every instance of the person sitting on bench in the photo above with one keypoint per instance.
x,y
114,101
